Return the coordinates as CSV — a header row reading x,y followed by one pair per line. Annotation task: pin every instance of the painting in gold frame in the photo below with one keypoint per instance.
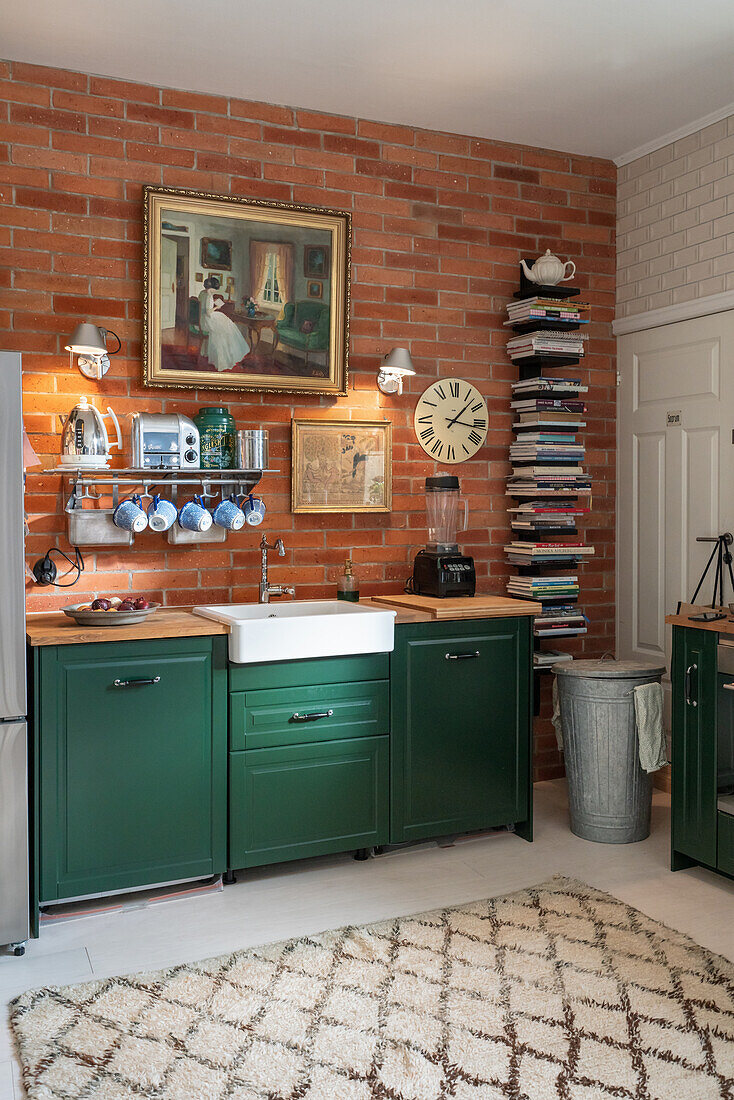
x,y
202,335
341,465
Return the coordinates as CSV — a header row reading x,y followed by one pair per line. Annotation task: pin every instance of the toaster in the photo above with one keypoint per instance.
x,y
166,441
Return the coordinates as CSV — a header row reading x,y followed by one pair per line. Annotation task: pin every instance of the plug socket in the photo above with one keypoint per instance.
x,y
45,571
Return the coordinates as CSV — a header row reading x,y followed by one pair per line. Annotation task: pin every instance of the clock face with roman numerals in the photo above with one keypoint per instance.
x,y
451,420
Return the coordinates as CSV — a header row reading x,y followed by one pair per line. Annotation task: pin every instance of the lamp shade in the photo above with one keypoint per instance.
x,y
87,339
398,361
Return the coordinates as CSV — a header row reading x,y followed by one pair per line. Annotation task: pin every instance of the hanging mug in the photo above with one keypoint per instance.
x,y
130,516
194,516
228,514
161,513
254,510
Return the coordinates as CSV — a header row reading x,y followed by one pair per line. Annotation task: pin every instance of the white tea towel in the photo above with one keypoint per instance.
x,y
556,715
649,719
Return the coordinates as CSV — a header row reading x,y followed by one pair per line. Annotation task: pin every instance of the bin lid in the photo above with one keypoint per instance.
x,y
604,669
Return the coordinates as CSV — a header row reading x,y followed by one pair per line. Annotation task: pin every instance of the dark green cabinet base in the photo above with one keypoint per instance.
x,y
131,778
461,728
307,800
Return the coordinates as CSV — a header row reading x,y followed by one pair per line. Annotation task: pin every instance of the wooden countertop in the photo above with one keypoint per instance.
x,y
481,606
54,628
682,618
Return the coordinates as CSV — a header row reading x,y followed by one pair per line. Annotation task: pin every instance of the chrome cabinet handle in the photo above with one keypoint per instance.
x,y
136,683
461,656
689,680
312,717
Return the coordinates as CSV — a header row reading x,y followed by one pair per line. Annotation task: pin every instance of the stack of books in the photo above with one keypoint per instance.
x,y
521,552
559,620
553,387
547,343
539,447
545,589
532,481
540,516
527,310
544,658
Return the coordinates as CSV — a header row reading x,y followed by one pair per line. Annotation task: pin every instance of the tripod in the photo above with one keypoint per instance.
x,y
723,556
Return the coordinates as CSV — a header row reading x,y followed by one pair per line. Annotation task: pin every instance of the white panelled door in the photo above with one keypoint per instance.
x,y
675,472
168,282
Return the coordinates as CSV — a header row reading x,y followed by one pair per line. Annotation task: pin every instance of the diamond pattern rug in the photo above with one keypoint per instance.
x,y
558,992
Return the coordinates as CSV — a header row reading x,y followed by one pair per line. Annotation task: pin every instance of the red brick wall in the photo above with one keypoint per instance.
x,y
439,223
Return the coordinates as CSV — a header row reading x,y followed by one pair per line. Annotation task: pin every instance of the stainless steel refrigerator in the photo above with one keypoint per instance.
x,y
14,885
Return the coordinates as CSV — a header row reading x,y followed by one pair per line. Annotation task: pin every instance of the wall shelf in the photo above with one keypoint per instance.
x,y
90,524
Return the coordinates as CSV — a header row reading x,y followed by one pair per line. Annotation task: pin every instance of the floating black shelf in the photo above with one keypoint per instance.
x,y
544,324
542,290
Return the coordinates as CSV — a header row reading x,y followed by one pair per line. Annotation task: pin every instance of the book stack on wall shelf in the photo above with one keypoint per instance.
x,y
549,486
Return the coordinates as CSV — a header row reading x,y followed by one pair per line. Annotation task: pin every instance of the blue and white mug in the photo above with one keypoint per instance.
x,y
194,516
228,514
254,510
161,513
129,515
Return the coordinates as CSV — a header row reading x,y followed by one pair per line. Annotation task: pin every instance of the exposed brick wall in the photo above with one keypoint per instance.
x,y
676,218
440,221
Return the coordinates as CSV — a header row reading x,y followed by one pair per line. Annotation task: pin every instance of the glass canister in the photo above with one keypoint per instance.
x,y
217,433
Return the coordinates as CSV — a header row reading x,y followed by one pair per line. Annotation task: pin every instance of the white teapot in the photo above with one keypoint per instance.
x,y
549,270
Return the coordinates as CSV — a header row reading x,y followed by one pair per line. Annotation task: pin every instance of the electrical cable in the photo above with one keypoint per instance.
x,y
44,569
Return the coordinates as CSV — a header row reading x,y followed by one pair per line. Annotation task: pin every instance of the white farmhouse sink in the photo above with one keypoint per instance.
x,y
300,629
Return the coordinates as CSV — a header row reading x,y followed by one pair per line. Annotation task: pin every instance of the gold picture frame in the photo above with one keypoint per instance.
x,y
341,465
195,338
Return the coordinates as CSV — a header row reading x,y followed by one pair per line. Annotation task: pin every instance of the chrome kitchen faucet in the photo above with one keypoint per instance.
x,y
266,589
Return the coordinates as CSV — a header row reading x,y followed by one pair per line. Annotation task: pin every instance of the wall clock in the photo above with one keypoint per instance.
x,y
451,420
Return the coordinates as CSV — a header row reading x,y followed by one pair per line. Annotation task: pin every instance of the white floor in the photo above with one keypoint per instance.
x,y
299,898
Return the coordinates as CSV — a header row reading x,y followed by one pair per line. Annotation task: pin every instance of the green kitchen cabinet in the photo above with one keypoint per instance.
x,y
131,740
309,766
694,747
461,728
308,800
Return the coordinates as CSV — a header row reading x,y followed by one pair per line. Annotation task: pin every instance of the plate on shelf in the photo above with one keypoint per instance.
x,y
84,616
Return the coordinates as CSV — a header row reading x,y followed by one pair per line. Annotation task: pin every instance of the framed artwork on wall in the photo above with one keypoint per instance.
x,y
316,262
341,465
198,330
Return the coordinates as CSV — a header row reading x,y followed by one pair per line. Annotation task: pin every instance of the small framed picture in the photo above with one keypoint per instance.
x,y
315,290
316,262
341,466
216,254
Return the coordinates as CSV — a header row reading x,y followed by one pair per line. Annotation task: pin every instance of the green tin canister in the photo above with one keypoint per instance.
x,y
217,433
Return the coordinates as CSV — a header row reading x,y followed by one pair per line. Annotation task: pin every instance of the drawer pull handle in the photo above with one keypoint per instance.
x,y
728,687
689,684
312,717
136,683
462,656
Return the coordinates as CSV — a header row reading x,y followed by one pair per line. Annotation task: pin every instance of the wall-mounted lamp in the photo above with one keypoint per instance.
x,y
393,369
89,342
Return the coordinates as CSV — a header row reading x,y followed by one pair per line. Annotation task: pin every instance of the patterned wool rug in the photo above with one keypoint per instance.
x,y
559,992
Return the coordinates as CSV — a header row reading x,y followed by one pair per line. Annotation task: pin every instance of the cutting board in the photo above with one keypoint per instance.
x,y
464,607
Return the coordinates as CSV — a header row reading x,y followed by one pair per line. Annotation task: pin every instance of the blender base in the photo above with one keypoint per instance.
x,y
443,574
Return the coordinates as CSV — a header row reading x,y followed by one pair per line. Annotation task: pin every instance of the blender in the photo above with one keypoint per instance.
x,y
440,569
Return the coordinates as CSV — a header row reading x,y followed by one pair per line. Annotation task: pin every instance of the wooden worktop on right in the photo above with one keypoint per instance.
x,y
462,607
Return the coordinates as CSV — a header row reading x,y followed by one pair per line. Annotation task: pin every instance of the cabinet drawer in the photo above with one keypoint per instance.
x,y
725,846
290,716
323,670
307,800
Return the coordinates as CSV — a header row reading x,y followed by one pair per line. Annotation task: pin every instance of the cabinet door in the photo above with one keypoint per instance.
x,y
693,802
307,800
133,778
461,727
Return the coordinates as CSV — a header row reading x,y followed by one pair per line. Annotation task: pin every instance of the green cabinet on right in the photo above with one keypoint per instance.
x,y
461,729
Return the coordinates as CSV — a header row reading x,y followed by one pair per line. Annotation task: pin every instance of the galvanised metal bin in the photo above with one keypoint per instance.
x,y
609,793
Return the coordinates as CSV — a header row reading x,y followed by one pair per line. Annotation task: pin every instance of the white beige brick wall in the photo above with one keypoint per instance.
x,y
675,222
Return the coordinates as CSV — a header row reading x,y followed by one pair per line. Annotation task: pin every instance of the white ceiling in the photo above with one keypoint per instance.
x,y
600,77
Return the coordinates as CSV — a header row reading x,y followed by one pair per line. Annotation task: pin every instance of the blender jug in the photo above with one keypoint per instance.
x,y
442,505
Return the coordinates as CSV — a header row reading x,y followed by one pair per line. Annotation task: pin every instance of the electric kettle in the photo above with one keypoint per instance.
x,y
84,439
